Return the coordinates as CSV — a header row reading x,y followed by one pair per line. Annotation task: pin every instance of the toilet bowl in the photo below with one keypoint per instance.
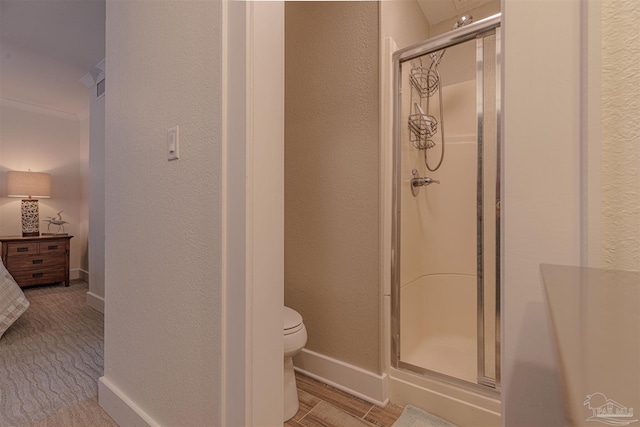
x,y
295,337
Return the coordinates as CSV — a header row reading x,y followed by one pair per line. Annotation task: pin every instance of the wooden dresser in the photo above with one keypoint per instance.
x,y
37,260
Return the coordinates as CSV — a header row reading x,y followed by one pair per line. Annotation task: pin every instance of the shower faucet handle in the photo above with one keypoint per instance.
x,y
420,181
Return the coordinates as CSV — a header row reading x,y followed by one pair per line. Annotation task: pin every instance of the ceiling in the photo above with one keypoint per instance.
x,y
46,47
438,11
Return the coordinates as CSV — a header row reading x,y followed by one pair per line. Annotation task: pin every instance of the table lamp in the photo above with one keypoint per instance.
x,y
29,185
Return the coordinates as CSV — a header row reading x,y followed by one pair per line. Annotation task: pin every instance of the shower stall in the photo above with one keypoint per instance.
x,y
445,292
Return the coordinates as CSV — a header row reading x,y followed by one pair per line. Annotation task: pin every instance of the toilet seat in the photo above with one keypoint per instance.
x,y
292,321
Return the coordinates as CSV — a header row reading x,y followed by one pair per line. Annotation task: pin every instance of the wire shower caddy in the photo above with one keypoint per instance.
x,y
425,82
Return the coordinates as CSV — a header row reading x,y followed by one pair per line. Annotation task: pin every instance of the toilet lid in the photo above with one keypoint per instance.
x,y
292,319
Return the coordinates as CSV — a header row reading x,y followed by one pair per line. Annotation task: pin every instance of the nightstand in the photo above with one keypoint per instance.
x,y
37,260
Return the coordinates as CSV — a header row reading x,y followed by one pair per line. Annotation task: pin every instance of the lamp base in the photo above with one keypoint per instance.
x,y
30,218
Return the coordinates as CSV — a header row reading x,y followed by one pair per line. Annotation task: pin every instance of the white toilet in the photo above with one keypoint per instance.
x,y
295,337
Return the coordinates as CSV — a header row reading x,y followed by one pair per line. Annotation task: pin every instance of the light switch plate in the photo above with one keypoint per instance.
x,y
173,143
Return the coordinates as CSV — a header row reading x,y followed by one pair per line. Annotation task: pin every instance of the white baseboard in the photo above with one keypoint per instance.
x,y
78,273
95,301
351,379
123,410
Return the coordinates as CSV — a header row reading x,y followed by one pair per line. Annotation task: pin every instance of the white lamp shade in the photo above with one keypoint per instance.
x,y
28,184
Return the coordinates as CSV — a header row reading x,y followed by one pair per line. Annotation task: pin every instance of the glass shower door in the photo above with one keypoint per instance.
x,y
446,232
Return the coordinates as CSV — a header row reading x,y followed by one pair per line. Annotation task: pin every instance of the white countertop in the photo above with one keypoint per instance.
x,y
595,316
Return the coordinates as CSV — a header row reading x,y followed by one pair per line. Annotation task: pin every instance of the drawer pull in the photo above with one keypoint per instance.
x,y
34,275
53,247
37,261
23,249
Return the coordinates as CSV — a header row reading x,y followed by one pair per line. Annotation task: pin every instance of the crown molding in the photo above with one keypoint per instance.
x,y
18,105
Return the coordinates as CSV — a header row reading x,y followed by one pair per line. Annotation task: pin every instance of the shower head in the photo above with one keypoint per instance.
x,y
464,20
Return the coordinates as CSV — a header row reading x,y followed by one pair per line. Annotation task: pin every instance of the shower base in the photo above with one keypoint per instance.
x,y
452,356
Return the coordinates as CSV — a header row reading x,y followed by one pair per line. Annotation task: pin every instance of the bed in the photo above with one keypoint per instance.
x,y
12,300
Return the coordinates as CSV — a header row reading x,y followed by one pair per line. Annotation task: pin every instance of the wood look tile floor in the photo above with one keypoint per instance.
x,y
324,406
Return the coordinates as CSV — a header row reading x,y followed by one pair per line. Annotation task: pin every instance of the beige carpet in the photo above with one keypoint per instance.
x,y
50,361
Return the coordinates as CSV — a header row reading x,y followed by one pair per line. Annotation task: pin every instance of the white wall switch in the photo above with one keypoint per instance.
x,y
173,143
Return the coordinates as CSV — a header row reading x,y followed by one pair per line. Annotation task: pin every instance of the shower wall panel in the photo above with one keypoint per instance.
x,y
439,224
438,238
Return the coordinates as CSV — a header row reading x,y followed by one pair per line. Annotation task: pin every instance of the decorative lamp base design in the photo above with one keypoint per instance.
x,y
30,218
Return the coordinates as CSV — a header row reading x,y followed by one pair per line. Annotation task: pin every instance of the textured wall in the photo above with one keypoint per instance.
x,y
331,177
621,134
163,238
44,141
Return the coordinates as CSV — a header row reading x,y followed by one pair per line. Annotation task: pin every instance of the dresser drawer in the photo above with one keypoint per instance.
x,y
19,249
40,276
53,247
38,262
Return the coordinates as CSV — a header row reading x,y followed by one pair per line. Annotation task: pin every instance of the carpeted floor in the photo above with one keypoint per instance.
x,y
51,359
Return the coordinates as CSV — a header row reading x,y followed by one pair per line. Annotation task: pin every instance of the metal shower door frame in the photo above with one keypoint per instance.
x,y
480,80
470,32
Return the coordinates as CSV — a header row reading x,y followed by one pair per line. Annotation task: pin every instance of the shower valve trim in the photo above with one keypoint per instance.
x,y
420,181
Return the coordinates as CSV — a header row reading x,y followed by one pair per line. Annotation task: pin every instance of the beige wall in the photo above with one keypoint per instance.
x,y
163,219
331,177
621,134
404,21
541,198
46,141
